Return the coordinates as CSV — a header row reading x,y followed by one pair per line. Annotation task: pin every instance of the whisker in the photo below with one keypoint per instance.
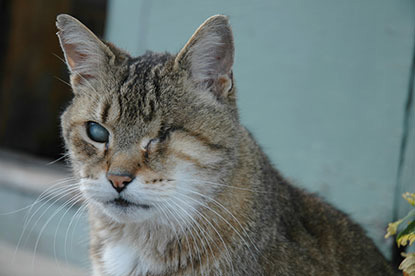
x,y
64,62
56,232
77,214
70,201
61,194
38,200
61,59
87,82
161,208
26,207
16,211
226,210
53,188
229,259
170,210
190,230
63,156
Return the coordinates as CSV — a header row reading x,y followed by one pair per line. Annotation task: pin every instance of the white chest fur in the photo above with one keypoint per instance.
x,y
120,259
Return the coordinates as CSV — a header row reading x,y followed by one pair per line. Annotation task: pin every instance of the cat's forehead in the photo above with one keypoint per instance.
x,y
133,100
139,89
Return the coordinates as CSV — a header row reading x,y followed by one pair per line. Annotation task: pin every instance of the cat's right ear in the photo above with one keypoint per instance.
x,y
85,53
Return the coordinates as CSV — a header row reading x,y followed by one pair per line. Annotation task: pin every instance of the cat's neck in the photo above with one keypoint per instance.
x,y
129,248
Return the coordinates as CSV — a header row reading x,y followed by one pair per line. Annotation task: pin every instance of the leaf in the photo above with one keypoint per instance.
x,y
407,233
410,215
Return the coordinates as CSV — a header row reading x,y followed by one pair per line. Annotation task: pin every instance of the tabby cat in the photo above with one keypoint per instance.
x,y
175,185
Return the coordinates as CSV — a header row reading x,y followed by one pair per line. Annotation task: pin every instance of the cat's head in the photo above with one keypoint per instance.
x,y
159,130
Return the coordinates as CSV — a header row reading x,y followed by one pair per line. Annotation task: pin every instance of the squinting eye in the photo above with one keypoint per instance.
x,y
97,132
151,143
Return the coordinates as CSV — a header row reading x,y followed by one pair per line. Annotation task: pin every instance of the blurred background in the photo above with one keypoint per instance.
x,y
326,86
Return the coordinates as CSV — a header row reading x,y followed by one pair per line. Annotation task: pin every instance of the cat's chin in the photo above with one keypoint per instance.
x,y
123,204
123,211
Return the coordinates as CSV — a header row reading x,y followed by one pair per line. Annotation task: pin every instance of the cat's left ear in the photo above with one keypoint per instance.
x,y
85,54
208,56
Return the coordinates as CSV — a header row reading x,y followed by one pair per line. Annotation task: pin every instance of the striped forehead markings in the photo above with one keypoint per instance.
x,y
105,111
139,95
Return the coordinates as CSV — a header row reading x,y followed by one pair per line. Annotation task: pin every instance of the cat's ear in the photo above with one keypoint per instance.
x,y
85,53
208,56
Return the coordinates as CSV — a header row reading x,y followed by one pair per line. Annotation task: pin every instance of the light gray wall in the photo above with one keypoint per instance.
x,y
321,84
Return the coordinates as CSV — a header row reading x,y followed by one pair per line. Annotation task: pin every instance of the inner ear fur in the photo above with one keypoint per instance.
x,y
208,56
84,52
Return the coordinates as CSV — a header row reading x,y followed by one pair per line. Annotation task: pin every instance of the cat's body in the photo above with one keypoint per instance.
x,y
175,184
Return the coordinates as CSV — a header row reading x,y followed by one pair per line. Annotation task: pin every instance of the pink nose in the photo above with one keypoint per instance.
x,y
119,182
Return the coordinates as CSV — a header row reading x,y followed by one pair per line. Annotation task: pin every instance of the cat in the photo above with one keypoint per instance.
x,y
175,185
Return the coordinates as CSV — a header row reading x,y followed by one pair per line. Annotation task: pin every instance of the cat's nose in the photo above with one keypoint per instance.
x,y
119,181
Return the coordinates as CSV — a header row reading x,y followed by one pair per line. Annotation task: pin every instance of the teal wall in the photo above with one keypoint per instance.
x,y
322,85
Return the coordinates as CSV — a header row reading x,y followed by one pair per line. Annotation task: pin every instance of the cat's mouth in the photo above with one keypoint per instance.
x,y
120,202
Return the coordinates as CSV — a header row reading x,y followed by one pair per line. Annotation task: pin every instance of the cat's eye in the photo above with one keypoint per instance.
x,y
96,132
163,134
151,144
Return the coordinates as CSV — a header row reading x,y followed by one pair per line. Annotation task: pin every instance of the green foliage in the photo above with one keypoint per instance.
x,y
405,235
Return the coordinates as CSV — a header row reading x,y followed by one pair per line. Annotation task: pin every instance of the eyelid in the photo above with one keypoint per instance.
x,y
151,141
162,136
144,144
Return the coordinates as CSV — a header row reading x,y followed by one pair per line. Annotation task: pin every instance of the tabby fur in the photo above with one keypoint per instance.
x,y
204,198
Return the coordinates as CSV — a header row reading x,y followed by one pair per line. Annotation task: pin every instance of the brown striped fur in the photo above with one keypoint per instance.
x,y
205,200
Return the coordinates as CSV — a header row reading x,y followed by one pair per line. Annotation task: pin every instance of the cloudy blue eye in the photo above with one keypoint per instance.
x,y
97,132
